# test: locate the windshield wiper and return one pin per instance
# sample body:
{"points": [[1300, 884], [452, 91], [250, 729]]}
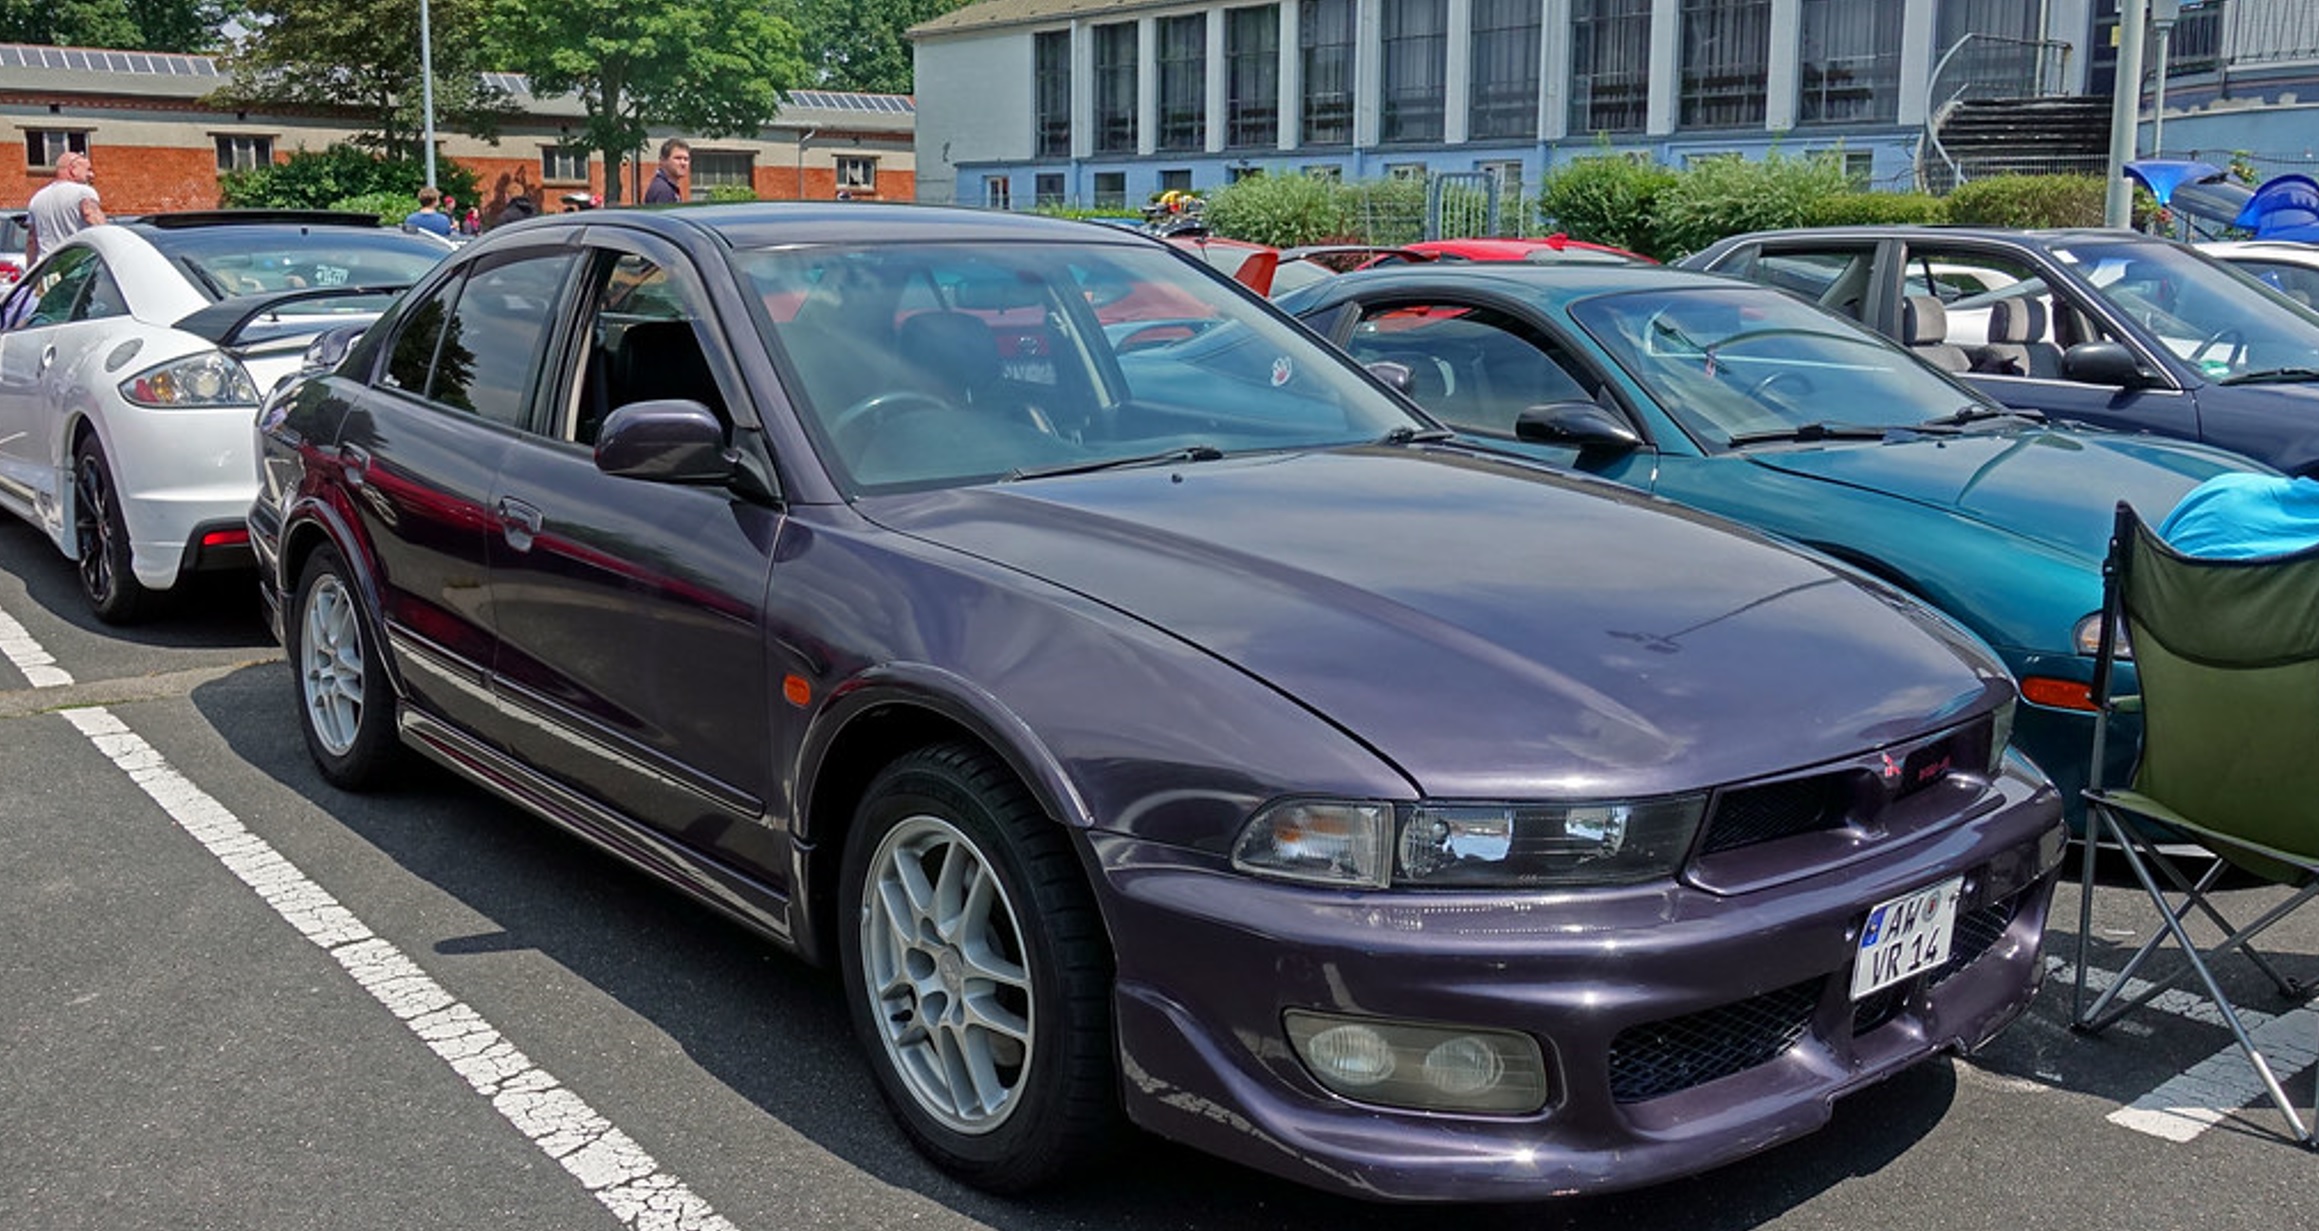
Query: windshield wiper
{"points": [[1184, 453], [1963, 415], [2271, 376], [1820, 431], [1407, 435]]}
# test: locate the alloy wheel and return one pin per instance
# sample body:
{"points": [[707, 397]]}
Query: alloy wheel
{"points": [[330, 665]]}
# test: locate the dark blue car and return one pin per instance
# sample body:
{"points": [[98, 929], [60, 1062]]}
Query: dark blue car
{"points": [[2112, 328], [1153, 719]]}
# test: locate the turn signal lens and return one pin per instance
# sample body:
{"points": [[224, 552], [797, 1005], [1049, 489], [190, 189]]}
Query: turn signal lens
{"points": [[2059, 694], [1329, 842]]}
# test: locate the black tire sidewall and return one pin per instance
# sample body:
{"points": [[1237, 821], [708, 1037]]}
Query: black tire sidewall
{"points": [[367, 760], [122, 606]]}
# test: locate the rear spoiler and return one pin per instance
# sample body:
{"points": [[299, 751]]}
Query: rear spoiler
{"points": [[222, 323], [187, 219]]}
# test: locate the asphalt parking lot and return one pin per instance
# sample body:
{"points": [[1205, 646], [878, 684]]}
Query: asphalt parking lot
{"points": [[235, 997]]}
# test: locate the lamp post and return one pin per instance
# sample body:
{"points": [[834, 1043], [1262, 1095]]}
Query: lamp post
{"points": [[427, 89], [2163, 15], [2125, 113]]}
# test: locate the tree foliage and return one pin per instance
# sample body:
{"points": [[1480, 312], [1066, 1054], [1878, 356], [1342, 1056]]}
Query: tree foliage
{"points": [[363, 55], [320, 179], [137, 25], [861, 44], [1605, 199], [1725, 196], [696, 65]]}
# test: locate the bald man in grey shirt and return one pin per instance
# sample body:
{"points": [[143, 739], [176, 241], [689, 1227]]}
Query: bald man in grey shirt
{"points": [[66, 205]]}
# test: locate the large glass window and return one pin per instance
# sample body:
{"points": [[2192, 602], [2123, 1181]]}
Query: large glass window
{"points": [[1851, 62], [1183, 82], [1726, 44], [1115, 88], [563, 164], [1610, 65], [244, 152], [1505, 68], [1111, 190], [1416, 65], [1052, 53], [493, 336], [1325, 43], [1252, 76]]}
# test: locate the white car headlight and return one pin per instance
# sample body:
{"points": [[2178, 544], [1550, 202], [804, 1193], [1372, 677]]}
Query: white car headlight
{"points": [[1472, 845], [2086, 637], [211, 378]]}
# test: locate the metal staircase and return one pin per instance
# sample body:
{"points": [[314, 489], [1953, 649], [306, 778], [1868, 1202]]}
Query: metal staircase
{"points": [[1973, 139]]}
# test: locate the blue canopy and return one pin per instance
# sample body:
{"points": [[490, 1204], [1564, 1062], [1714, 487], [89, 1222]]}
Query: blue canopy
{"points": [[2285, 207], [2163, 175]]}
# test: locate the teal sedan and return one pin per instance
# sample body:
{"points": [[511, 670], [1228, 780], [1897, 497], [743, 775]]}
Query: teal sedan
{"points": [[1743, 401]]}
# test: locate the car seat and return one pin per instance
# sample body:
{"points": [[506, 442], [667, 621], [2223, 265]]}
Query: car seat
{"points": [[1924, 326]]}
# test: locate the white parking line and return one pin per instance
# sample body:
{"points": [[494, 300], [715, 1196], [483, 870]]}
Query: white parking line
{"points": [[607, 1162]]}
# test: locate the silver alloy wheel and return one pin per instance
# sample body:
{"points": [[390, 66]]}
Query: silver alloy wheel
{"points": [[942, 965], [330, 664]]}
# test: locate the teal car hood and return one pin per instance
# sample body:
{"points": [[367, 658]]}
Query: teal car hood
{"points": [[2031, 483]]}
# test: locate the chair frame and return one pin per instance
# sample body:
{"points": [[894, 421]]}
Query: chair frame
{"points": [[2106, 815]]}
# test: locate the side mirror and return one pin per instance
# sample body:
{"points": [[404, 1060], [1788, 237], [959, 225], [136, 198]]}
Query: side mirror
{"points": [[1584, 426], [2103, 363], [329, 349], [1394, 374], [665, 441]]}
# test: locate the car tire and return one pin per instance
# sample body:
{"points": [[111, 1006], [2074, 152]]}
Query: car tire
{"points": [[972, 949], [346, 707], [101, 538]]}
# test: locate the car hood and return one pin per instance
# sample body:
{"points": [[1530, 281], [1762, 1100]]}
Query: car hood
{"points": [[2058, 488], [1491, 628]]}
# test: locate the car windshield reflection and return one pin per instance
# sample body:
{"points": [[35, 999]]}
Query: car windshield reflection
{"points": [[1740, 366], [942, 364]]}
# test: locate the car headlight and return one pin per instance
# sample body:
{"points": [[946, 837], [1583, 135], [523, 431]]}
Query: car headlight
{"points": [[2087, 637], [1471, 845], [2000, 736], [211, 378]]}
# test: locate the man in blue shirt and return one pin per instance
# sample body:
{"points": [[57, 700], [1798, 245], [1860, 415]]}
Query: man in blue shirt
{"points": [[2240, 515], [427, 217]]}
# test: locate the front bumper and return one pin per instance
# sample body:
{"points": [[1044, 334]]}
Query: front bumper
{"points": [[1681, 1029]]}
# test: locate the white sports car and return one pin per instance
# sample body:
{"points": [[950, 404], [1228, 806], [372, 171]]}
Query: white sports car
{"points": [[132, 361]]}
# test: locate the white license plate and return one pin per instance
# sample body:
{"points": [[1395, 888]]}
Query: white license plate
{"points": [[1906, 936]]}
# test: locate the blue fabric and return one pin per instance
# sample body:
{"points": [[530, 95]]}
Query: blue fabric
{"points": [[2285, 207], [2163, 175], [2241, 515], [429, 220]]}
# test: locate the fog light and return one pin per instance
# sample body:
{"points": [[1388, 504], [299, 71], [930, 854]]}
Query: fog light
{"points": [[1419, 1065]]}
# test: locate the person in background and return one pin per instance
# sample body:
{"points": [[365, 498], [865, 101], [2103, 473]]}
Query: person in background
{"points": [[2241, 515], [675, 164], [427, 217], [67, 204], [472, 222]]}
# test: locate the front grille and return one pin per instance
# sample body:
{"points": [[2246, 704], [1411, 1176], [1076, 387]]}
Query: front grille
{"points": [[1976, 932], [1775, 810], [1660, 1058], [1880, 1006]]}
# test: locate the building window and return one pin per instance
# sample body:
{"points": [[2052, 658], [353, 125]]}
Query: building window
{"points": [[1183, 82], [1111, 190], [563, 164], [1176, 179], [1252, 76], [1726, 43], [1329, 171], [1507, 172], [1610, 65], [43, 146], [856, 173], [1859, 167], [1405, 170], [1325, 47], [1052, 51], [1851, 63], [1115, 88], [1416, 55], [1047, 188], [997, 192], [1239, 171], [1505, 68], [714, 169], [242, 152]]}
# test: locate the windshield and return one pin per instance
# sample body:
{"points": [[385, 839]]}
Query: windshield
{"points": [[2217, 319], [931, 365], [1733, 363], [225, 261]]}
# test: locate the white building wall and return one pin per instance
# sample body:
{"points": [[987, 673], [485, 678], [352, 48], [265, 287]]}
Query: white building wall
{"points": [[975, 95]]}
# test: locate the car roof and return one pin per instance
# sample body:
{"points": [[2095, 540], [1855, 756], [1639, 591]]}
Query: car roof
{"points": [[757, 224], [2039, 237]]}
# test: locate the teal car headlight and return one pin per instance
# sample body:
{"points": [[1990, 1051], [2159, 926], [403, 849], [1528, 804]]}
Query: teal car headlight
{"points": [[2086, 638]]}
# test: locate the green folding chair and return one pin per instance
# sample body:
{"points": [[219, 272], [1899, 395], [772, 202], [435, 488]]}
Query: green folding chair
{"points": [[2227, 652]]}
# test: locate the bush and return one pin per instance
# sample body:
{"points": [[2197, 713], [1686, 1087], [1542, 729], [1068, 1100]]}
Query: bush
{"points": [[1725, 196], [1879, 209], [1283, 210], [317, 180], [391, 207], [722, 193], [1386, 211], [2030, 201], [1605, 199]]}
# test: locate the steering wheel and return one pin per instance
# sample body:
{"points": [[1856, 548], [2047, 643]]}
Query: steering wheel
{"points": [[879, 405], [1794, 384], [2236, 337]]}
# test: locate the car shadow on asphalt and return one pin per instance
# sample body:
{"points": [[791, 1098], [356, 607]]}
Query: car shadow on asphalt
{"points": [[220, 610], [774, 1030]]}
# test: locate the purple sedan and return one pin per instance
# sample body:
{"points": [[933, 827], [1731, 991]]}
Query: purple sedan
{"points": [[1156, 720]]}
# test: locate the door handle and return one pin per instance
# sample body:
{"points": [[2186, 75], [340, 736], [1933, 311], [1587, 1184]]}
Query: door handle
{"points": [[518, 521], [356, 460], [47, 356]]}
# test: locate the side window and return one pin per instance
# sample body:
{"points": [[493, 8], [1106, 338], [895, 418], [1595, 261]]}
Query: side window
{"points": [[1834, 278], [1988, 312], [495, 338], [413, 351], [57, 286], [2298, 282], [102, 298], [641, 346], [1475, 368]]}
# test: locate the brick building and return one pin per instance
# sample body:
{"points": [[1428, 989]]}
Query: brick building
{"points": [[158, 146]]}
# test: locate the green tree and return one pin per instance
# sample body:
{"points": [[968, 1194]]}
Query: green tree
{"points": [[363, 56], [135, 25], [696, 65], [861, 44], [320, 179]]}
